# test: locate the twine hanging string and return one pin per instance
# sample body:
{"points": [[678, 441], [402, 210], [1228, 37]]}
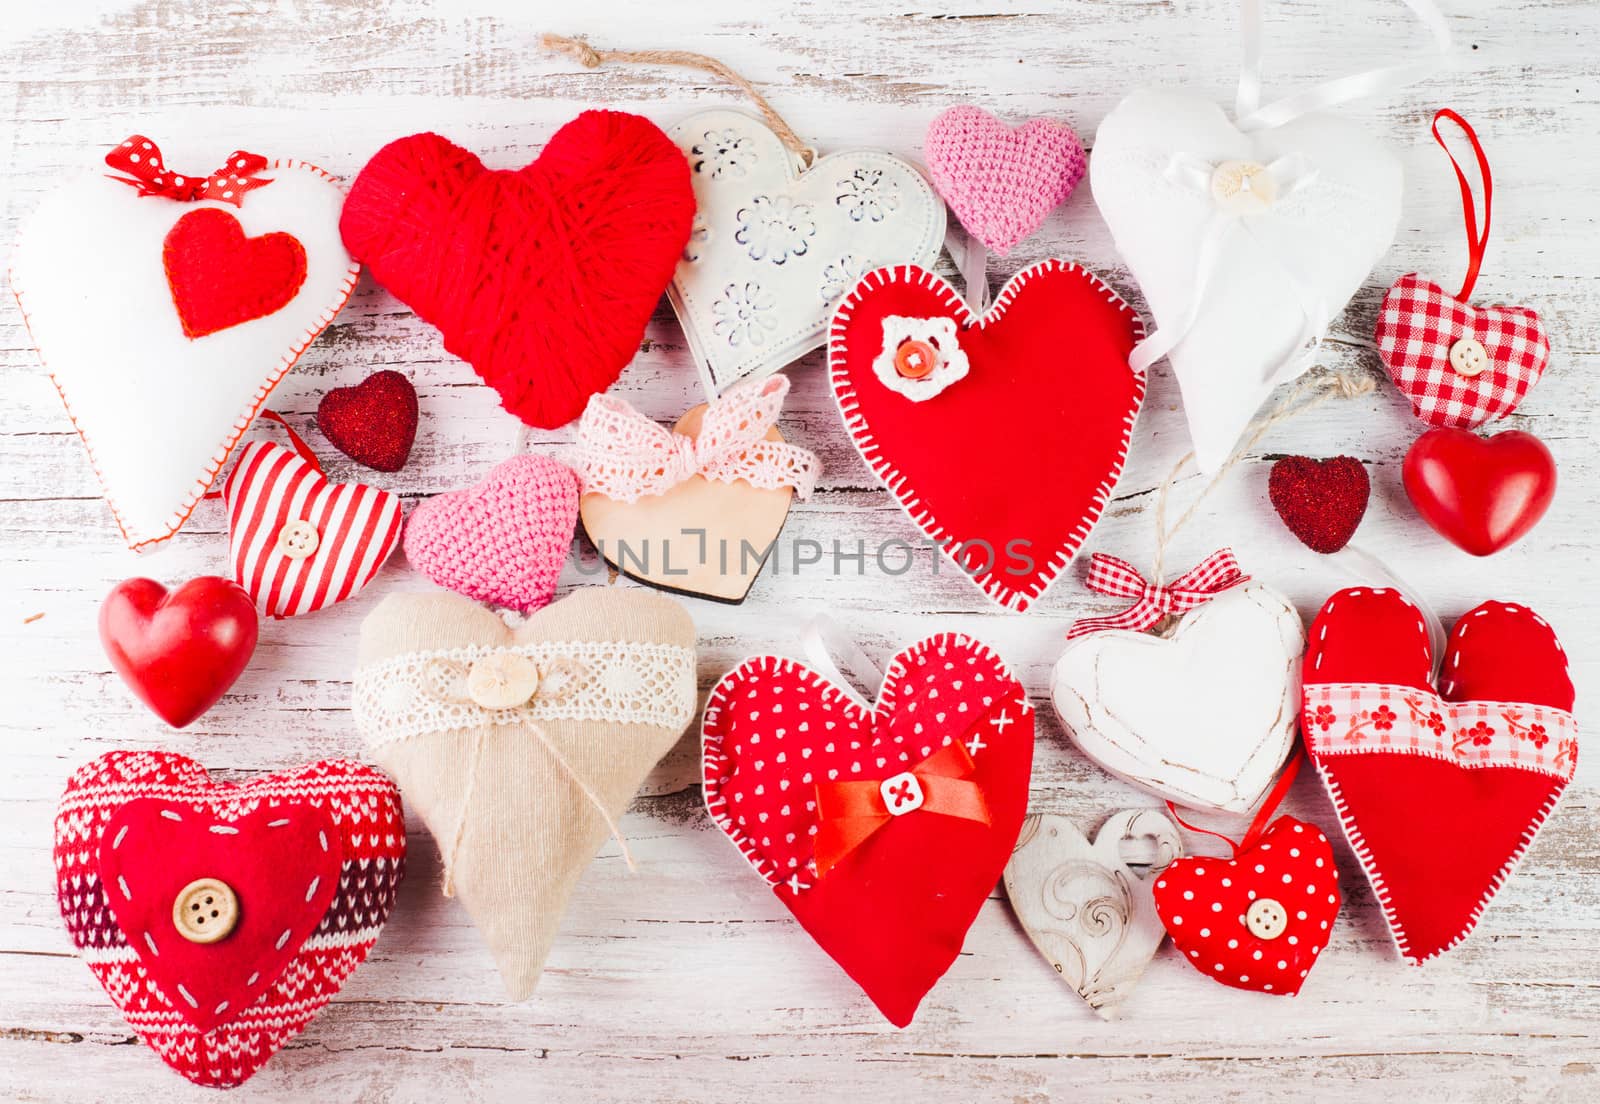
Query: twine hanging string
{"points": [[591, 58]]}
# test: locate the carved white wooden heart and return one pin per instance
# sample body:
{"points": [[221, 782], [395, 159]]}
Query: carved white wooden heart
{"points": [[774, 249], [1249, 266], [1087, 906], [160, 411], [1206, 717]]}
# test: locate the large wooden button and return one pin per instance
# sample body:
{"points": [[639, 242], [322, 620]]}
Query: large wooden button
{"points": [[205, 911], [1266, 919], [503, 680], [1243, 187], [298, 539], [1468, 357]]}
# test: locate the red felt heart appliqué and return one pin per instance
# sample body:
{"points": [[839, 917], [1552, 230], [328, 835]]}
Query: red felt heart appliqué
{"points": [[312, 857], [1440, 791], [541, 278], [374, 423], [220, 278], [1481, 495], [894, 910], [1047, 400], [1321, 502]]}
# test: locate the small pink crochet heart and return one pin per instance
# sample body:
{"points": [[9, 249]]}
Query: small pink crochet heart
{"points": [[503, 541], [1001, 182]]}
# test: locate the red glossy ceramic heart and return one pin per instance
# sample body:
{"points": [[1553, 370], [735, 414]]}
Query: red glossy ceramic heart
{"points": [[374, 423], [1321, 502], [1481, 495], [180, 650], [220, 278], [893, 912]]}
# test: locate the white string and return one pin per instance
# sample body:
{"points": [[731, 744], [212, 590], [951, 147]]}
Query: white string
{"points": [[823, 639]]}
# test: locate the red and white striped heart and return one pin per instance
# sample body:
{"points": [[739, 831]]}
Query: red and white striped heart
{"points": [[300, 542]]}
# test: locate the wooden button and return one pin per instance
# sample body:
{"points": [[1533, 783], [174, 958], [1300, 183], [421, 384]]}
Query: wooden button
{"points": [[915, 359], [298, 539], [1243, 187], [1266, 919], [205, 911], [503, 680], [1468, 357]]}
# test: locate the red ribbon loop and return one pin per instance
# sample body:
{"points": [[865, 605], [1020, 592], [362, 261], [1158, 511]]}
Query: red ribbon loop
{"points": [[850, 813], [1120, 579], [1263, 818], [140, 158], [1477, 238]]}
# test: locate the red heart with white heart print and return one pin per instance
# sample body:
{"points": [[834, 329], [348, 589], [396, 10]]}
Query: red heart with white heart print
{"points": [[298, 541], [1459, 365], [1035, 393], [1259, 920], [295, 873], [1440, 791], [800, 774]]}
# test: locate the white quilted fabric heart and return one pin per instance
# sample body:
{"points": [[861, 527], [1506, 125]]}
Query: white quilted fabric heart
{"points": [[1243, 284], [774, 250]]}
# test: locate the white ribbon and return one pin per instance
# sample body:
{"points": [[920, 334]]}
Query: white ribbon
{"points": [[823, 639]]}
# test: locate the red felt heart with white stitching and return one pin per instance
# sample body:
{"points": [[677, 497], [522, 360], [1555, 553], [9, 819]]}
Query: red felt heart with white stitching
{"points": [[959, 415], [1440, 791], [785, 754], [221, 917]]}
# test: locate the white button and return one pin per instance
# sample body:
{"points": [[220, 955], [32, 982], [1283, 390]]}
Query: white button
{"points": [[1468, 357], [503, 680], [205, 911], [1267, 919], [1243, 187], [297, 539], [902, 794]]}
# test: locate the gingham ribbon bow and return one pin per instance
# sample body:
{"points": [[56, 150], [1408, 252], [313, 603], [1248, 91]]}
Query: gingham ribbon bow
{"points": [[140, 158], [1118, 578]]}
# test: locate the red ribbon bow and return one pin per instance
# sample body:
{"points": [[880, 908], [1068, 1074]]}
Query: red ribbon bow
{"points": [[1197, 586], [849, 813], [140, 158]]}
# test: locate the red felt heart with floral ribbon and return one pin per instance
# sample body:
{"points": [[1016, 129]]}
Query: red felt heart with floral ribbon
{"points": [[955, 413], [1480, 494], [1440, 791], [882, 829], [294, 873]]}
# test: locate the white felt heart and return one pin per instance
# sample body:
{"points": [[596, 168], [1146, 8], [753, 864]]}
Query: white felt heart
{"points": [[1087, 906], [1245, 244], [160, 411], [774, 250], [1205, 717]]}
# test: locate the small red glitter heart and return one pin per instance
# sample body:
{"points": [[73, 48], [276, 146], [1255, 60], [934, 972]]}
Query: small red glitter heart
{"points": [[1321, 501], [374, 423]]}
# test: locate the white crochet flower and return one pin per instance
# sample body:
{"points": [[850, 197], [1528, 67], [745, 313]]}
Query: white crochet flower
{"points": [[775, 228], [939, 334], [744, 314]]}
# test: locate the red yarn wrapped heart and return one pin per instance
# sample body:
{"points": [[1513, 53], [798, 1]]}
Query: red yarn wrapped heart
{"points": [[374, 423], [542, 278], [1321, 501]]}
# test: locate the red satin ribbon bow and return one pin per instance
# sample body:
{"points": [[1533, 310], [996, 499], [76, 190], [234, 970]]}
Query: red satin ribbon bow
{"points": [[1118, 578], [140, 158], [849, 813]]}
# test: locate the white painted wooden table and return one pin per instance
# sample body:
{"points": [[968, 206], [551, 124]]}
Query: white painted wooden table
{"points": [[689, 981]]}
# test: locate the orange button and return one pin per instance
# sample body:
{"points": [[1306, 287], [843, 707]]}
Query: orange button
{"points": [[915, 359]]}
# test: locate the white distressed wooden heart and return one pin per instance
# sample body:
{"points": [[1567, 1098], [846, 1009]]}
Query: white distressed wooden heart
{"points": [[1247, 278], [1205, 717], [1087, 906], [158, 411], [774, 250]]}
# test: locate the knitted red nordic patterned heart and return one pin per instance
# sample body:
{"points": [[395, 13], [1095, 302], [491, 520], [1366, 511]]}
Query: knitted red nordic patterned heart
{"points": [[1321, 502], [220, 278], [1035, 394], [541, 278], [303, 865], [798, 774], [1440, 792], [1259, 920], [374, 423]]}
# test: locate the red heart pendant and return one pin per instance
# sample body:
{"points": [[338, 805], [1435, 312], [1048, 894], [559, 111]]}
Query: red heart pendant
{"points": [[802, 778], [220, 278], [221, 917], [1321, 501], [374, 423], [179, 651], [542, 278], [1259, 920], [1459, 365], [1481, 495], [1035, 394], [1440, 792]]}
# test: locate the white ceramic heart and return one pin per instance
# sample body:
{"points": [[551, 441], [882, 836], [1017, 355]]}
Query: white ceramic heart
{"points": [[1205, 717], [774, 250], [160, 412], [1084, 906], [1246, 292]]}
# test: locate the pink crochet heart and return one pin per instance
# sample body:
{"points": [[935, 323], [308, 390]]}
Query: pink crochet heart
{"points": [[1001, 181], [502, 541]]}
